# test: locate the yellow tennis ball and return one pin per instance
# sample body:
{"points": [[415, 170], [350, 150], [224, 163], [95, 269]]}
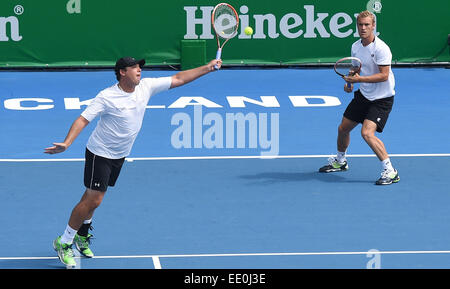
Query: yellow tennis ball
{"points": [[248, 30]]}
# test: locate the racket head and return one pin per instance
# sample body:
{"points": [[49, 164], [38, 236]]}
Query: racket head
{"points": [[225, 21], [348, 66]]}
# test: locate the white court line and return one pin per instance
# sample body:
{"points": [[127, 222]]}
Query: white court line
{"points": [[157, 263], [228, 157]]}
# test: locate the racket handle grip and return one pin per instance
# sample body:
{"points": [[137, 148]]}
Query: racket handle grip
{"points": [[218, 56], [349, 85]]}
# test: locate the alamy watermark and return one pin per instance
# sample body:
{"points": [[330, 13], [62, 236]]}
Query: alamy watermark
{"points": [[232, 130], [375, 259]]}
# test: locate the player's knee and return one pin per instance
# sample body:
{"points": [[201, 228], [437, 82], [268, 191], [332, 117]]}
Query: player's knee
{"points": [[367, 135], [95, 203], [342, 129], [94, 199]]}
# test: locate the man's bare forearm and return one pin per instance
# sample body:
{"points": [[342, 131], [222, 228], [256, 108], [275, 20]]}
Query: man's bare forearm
{"points": [[77, 126]]}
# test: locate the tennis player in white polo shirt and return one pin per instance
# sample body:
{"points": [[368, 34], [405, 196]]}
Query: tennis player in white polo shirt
{"points": [[121, 109], [371, 104]]}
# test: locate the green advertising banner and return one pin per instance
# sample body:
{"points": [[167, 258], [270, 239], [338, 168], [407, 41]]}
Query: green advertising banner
{"points": [[92, 33]]}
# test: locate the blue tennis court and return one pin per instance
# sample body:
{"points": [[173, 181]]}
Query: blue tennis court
{"points": [[198, 193]]}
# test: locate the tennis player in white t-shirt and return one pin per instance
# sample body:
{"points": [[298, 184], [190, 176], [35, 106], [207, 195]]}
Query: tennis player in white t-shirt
{"points": [[121, 109], [371, 104]]}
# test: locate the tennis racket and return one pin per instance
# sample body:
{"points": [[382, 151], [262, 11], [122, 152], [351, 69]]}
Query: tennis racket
{"points": [[225, 22], [348, 66]]}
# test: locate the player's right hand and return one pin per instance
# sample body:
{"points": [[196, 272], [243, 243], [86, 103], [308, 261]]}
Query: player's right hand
{"points": [[56, 148], [348, 89], [215, 64]]}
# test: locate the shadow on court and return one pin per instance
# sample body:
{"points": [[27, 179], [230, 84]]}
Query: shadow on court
{"points": [[281, 177], [31, 264]]}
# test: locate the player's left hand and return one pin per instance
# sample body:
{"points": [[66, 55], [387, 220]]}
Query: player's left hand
{"points": [[352, 78], [56, 148]]}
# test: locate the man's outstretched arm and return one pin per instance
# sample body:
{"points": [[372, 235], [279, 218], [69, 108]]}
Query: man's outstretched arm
{"points": [[77, 126]]}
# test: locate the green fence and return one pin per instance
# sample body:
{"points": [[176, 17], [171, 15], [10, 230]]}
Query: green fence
{"points": [[88, 33]]}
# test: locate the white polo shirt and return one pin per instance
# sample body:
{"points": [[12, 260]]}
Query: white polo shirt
{"points": [[121, 116], [372, 55]]}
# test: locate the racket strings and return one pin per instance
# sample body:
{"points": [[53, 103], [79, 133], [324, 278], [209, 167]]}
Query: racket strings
{"points": [[225, 21], [347, 67]]}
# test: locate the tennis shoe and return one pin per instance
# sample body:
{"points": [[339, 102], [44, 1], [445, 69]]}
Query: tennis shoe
{"points": [[65, 252], [388, 177], [334, 166], [82, 245]]}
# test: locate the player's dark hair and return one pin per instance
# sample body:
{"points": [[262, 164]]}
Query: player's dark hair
{"points": [[117, 71]]}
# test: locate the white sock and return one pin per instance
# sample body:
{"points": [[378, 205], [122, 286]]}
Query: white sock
{"points": [[69, 234], [387, 165], [340, 156]]}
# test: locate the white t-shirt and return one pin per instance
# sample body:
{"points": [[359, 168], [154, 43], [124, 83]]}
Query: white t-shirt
{"points": [[121, 116], [372, 55]]}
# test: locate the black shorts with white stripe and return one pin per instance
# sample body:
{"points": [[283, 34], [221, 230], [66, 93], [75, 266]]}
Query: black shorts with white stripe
{"points": [[360, 108], [101, 173]]}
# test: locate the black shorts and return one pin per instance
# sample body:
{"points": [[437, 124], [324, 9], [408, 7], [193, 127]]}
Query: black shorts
{"points": [[100, 172], [360, 108]]}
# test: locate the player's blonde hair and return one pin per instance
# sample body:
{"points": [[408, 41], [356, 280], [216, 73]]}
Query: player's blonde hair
{"points": [[366, 13]]}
